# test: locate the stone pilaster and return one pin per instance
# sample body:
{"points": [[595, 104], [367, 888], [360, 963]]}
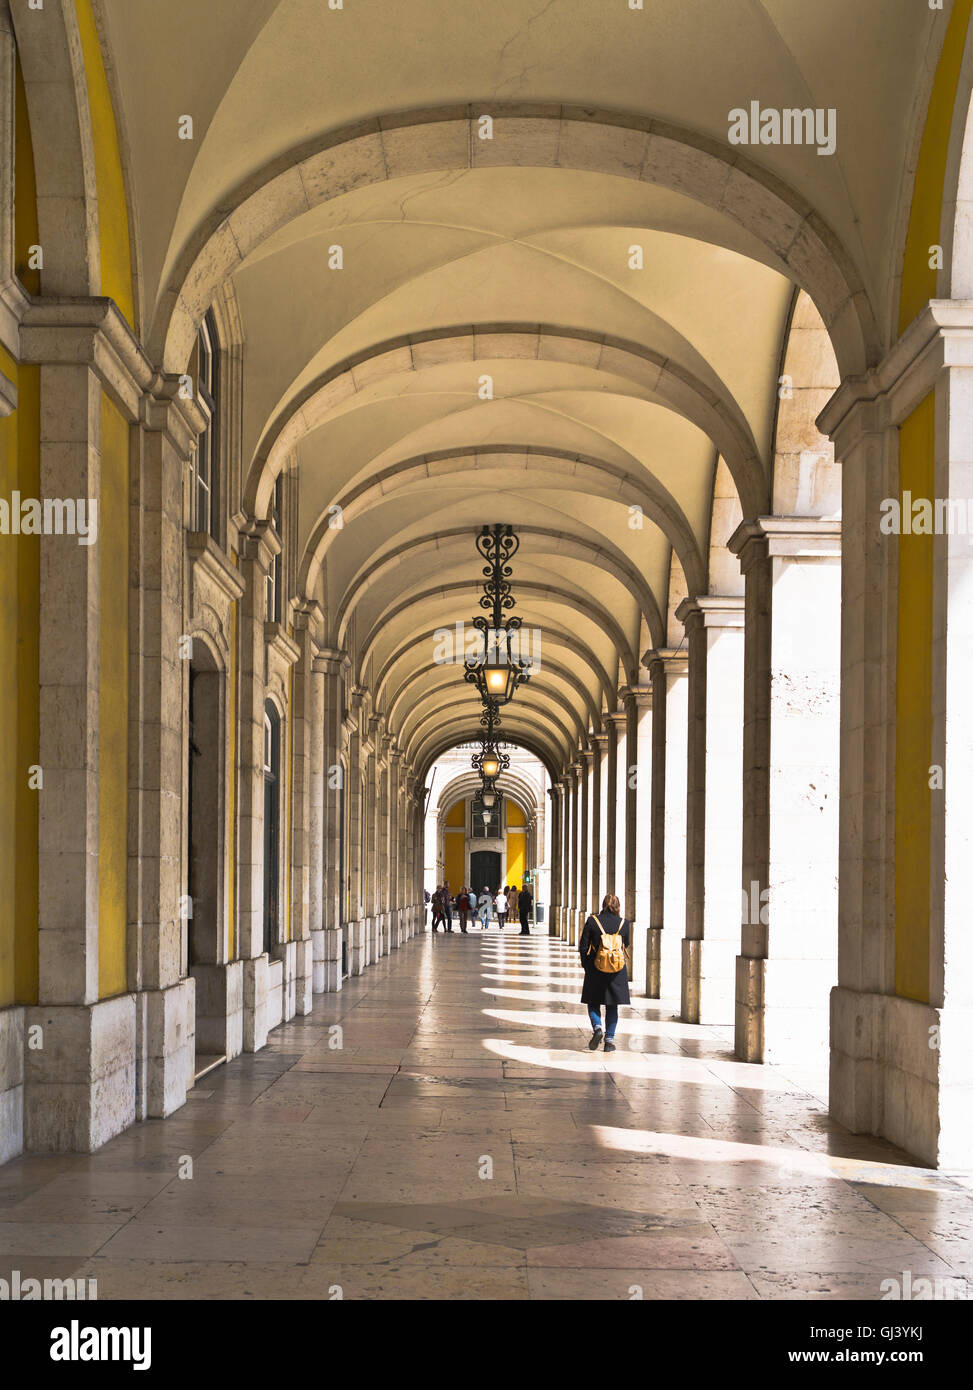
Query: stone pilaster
{"points": [[789, 958], [714, 810], [638, 784], [668, 669], [901, 1065]]}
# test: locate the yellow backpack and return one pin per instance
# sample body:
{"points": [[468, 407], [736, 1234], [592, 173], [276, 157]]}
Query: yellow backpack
{"points": [[610, 956]]}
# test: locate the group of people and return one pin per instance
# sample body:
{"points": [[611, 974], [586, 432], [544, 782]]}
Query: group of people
{"points": [[509, 902], [605, 945]]}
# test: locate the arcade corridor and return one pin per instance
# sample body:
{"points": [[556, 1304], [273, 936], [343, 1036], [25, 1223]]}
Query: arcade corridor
{"points": [[669, 1168]]}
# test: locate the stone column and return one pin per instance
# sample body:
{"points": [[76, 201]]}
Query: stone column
{"points": [[114, 1049], [638, 784], [597, 776], [357, 946], [259, 544], [307, 747], [564, 788], [582, 909], [395, 849], [383, 854], [618, 722], [902, 1013], [789, 959], [609, 766], [670, 709], [554, 907], [331, 665], [63, 1109], [714, 809], [577, 848]]}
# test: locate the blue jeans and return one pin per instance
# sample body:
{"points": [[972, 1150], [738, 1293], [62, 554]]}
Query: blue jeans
{"points": [[611, 1019]]}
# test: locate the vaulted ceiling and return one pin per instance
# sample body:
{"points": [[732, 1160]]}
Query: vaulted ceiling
{"points": [[493, 347]]}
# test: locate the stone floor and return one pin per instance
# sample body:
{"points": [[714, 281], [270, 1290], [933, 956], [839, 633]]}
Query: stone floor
{"points": [[439, 1130]]}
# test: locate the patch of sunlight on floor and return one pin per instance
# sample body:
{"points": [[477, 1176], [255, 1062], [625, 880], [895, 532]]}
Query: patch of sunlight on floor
{"points": [[681, 1146]]}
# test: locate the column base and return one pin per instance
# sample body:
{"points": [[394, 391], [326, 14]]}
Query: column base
{"points": [[219, 1009], [357, 946], [166, 1049], [782, 1009], [79, 1085], [326, 946], [304, 976], [653, 964], [639, 964], [664, 967], [256, 987], [708, 990], [12, 1028], [903, 1070]]}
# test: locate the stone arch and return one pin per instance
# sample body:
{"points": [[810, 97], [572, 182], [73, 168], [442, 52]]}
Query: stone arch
{"points": [[665, 381], [463, 730], [599, 478], [443, 138], [205, 627], [537, 714], [51, 58], [561, 637], [612, 561], [955, 278], [806, 478], [611, 627], [554, 668]]}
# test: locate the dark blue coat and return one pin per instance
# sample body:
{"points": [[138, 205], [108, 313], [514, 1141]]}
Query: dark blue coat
{"points": [[600, 988]]}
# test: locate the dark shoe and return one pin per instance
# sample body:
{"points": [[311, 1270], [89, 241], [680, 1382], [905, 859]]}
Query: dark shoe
{"points": [[609, 1045], [596, 1038]]}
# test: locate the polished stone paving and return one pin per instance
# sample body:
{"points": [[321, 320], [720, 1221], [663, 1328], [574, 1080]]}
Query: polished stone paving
{"points": [[439, 1130]]}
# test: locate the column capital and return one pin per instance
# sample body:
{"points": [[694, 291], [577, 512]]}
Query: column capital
{"points": [[259, 542], [601, 740], [616, 718], [330, 661], [801, 537], [940, 336], [309, 618], [640, 694], [673, 661], [711, 610]]}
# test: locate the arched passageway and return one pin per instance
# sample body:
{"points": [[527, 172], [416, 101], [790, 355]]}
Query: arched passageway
{"points": [[276, 341]]}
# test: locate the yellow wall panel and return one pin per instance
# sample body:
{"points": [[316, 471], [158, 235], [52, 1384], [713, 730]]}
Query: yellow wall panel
{"points": [[516, 856], [913, 733], [113, 525], [455, 861], [457, 814], [19, 707]]}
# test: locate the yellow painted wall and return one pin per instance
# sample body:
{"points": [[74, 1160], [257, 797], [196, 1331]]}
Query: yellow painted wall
{"points": [[455, 859], [457, 814], [913, 734], [917, 440], [113, 702], [19, 685], [516, 855], [515, 815], [20, 619], [116, 251]]}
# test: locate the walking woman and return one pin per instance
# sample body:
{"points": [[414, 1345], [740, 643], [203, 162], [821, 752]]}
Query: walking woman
{"points": [[512, 902], [501, 903], [463, 908], [604, 947]]}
